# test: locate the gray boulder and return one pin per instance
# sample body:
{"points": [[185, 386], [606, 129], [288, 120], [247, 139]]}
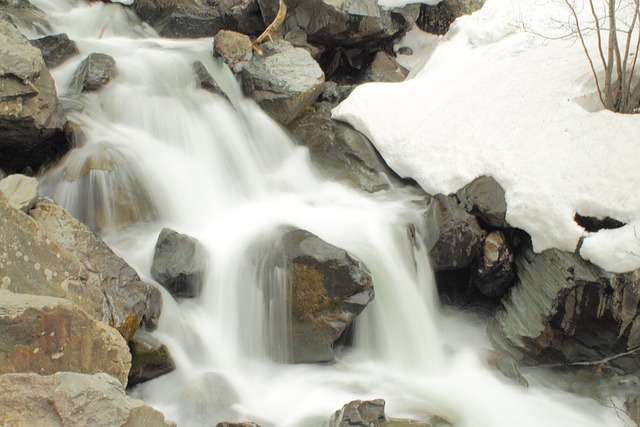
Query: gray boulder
{"points": [[340, 152], [72, 399], [437, 19], [284, 81], [200, 18], [95, 72], [564, 310], [56, 49], [22, 191], [338, 23], [234, 48], [383, 68], [328, 289], [371, 413], [495, 272], [31, 118], [179, 263], [485, 199], [149, 358], [453, 236], [48, 335]]}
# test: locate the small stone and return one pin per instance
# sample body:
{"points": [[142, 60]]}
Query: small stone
{"points": [[22, 191]]}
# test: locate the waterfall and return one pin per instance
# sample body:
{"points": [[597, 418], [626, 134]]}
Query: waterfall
{"points": [[154, 150]]}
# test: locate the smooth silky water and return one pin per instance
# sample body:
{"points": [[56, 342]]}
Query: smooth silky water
{"points": [[154, 150]]}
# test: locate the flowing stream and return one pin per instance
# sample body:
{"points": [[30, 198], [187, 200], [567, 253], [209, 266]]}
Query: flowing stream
{"points": [[154, 150]]}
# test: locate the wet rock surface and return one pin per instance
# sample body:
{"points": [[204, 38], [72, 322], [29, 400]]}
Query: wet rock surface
{"points": [[95, 72], [149, 358], [485, 199], [55, 49], [31, 118], [179, 263]]}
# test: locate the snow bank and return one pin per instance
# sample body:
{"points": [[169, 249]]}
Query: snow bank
{"points": [[492, 99]]}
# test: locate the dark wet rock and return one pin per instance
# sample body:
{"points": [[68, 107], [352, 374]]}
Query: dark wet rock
{"points": [[485, 199], [298, 38], [593, 224], [179, 263], [31, 118], [72, 399], [95, 72], [55, 49], [437, 19], [22, 191], [495, 267], [284, 81], [327, 289], [338, 23], [371, 413], [383, 68], [155, 12], [204, 18], [452, 235], [207, 82], [48, 335], [234, 48], [149, 358], [335, 93], [340, 152], [564, 310]]}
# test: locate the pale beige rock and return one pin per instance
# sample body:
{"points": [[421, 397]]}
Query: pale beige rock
{"points": [[21, 190]]}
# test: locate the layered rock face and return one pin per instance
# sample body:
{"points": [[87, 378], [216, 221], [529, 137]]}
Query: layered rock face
{"points": [[31, 118]]}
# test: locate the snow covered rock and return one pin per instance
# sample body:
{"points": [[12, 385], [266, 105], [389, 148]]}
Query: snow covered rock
{"points": [[72, 399], [453, 236], [284, 81], [565, 310], [22, 191], [340, 152], [55, 49], [31, 118], [48, 335], [95, 72], [179, 263]]}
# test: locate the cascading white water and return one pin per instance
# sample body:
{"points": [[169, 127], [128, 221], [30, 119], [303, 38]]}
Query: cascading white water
{"points": [[154, 150]]}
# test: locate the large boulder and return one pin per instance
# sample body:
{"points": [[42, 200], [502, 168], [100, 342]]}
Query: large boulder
{"points": [[48, 335], [284, 81], [564, 310], [56, 49], [200, 18], [31, 118], [50, 253], [338, 23], [22, 191], [149, 358], [453, 236], [72, 399], [94, 72], [128, 301], [340, 152], [328, 289], [179, 263]]}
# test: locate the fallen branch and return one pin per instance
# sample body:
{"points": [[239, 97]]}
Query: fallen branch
{"points": [[271, 28]]}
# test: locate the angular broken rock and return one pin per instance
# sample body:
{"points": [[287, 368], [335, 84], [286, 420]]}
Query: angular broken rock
{"points": [[55, 49], [283, 81], [22, 191], [95, 72]]}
